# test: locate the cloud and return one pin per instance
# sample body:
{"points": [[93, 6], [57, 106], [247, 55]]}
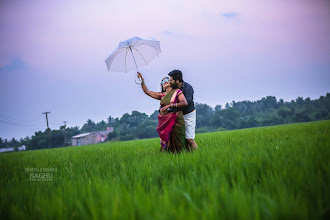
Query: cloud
{"points": [[16, 64], [167, 32], [230, 15]]}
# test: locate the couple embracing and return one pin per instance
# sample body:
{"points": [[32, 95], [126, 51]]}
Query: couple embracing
{"points": [[177, 114]]}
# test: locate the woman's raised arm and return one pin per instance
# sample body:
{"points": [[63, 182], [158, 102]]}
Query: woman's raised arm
{"points": [[155, 95]]}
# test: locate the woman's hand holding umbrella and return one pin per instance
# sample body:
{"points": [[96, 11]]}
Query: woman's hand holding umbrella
{"points": [[139, 76]]}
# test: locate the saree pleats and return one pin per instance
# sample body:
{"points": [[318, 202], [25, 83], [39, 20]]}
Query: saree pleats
{"points": [[171, 128]]}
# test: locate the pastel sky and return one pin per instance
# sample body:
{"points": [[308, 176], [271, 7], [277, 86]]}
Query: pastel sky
{"points": [[52, 55]]}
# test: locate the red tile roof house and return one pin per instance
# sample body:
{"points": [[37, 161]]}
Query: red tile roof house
{"points": [[90, 138]]}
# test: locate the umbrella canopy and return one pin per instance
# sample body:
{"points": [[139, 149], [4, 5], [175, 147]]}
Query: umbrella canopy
{"points": [[133, 53]]}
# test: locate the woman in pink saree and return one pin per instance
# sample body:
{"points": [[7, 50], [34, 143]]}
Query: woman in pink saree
{"points": [[170, 127]]}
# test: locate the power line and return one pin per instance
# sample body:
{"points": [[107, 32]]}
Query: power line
{"points": [[15, 119], [5, 119]]}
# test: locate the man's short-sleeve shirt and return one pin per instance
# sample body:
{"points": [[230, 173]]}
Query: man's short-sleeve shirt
{"points": [[188, 92]]}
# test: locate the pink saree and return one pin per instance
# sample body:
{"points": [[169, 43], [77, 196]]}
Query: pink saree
{"points": [[171, 125]]}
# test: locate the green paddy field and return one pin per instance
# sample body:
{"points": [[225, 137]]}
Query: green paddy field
{"points": [[279, 172]]}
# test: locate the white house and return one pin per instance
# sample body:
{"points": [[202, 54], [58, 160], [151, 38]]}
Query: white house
{"points": [[9, 149], [91, 137]]}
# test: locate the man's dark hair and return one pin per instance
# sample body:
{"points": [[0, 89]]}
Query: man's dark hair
{"points": [[176, 75]]}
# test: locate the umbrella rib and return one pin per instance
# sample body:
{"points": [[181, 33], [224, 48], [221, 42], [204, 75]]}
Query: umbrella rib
{"points": [[157, 53], [120, 51], [147, 45], [125, 61], [135, 45], [136, 42], [115, 56], [141, 56], [155, 48]]}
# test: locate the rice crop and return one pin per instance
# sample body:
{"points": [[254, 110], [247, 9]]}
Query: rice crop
{"points": [[277, 172]]}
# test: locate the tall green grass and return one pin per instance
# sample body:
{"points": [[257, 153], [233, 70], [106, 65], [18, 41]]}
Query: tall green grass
{"points": [[279, 172]]}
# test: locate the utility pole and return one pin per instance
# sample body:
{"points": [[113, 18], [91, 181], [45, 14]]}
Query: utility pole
{"points": [[46, 113], [49, 144], [65, 132]]}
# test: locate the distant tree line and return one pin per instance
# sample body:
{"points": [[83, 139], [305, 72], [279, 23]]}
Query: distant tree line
{"points": [[235, 115], [264, 112]]}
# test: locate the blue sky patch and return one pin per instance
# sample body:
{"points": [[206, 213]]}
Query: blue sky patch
{"points": [[16, 64], [230, 15]]}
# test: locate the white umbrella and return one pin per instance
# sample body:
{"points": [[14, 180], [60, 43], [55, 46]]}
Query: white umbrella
{"points": [[132, 53]]}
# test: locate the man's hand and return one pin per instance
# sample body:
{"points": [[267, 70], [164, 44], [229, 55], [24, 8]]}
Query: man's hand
{"points": [[163, 110]]}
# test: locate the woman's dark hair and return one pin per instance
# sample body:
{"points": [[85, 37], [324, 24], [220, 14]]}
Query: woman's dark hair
{"points": [[161, 85], [176, 75]]}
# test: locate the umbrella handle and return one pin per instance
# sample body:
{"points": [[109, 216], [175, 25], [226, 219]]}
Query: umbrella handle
{"points": [[139, 78], [140, 82]]}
